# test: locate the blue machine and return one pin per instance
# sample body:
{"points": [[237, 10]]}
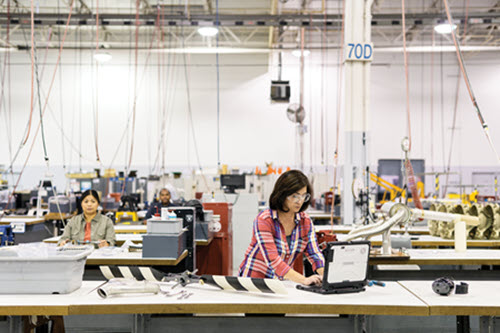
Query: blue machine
{"points": [[6, 235]]}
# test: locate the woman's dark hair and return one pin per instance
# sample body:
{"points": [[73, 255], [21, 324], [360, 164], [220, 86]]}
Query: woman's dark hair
{"points": [[92, 193], [287, 184]]}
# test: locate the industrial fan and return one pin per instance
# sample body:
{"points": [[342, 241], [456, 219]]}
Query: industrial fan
{"points": [[296, 113]]}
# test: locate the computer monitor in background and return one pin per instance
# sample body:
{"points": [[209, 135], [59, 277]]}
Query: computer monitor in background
{"points": [[229, 183], [85, 185]]}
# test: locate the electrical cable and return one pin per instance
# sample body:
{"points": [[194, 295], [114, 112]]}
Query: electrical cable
{"points": [[340, 67], [96, 112], [32, 71], [134, 106], [410, 177], [407, 83], [46, 157], [455, 111], [45, 105], [218, 83], [467, 83]]}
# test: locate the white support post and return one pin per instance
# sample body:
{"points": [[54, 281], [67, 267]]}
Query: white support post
{"points": [[358, 53]]}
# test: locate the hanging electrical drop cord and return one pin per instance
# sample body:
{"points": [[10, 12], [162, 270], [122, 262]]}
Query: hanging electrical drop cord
{"points": [[340, 73], [96, 113], [323, 94], [190, 113], [43, 111], [432, 103], [32, 71], [125, 131], [407, 83], [134, 107], [3, 99], [45, 155], [467, 82], [61, 101], [218, 85], [410, 176], [455, 111]]}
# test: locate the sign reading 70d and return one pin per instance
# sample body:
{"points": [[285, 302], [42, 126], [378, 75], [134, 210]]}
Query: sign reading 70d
{"points": [[359, 52]]}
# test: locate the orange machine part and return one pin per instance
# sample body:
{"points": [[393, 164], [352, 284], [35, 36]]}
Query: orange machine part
{"points": [[217, 257]]}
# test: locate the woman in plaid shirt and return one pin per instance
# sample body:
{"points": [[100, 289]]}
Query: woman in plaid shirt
{"points": [[282, 232]]}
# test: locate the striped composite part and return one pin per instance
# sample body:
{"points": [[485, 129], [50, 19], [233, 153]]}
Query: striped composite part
{"points": [[230, 283], [131, 272], [235, 283]]}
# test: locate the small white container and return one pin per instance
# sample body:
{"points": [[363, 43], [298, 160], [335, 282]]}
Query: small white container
{"points": [[164, 213], [168, 226]]}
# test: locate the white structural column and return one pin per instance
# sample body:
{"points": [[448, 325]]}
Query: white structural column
{"points": [[358, 54]]}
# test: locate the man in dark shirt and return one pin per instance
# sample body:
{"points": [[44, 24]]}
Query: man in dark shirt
{"points": [[156, 206]]}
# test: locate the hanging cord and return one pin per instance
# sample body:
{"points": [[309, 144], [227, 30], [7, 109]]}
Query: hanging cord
{"points": [[432, 103], [32, 71], [45, 155], [311, 132], [125, 131], [218, 85], [96, 113], [6, 69], [43, 111], [467, 83], [453, 127], [134, 107], [60, 94], [340, 73], [190, 113], [407, 83], [410, 177]]}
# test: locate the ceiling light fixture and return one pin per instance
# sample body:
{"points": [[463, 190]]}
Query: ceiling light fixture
{"points": [[102, 56], [298, 53], [208, 31], [445, 28]]}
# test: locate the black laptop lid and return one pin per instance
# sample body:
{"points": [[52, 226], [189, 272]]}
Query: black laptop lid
{"points": [[346, 264]]}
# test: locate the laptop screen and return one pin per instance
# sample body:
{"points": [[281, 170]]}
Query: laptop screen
{"points": [[346, 264]]}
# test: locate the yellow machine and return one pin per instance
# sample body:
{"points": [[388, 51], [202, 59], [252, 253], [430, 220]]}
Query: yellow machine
{"points": [[392, 189]]}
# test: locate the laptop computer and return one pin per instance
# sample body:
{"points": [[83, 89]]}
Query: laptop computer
{"points": [[346, 268]]}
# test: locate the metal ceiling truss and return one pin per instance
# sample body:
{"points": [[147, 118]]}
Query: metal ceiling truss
{"points": [[264, 20]]}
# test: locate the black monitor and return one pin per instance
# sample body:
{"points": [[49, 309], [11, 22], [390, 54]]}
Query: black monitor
{"points": [[232, 182]]}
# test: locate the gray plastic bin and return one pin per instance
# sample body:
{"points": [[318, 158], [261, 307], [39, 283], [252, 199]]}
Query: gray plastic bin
{"points": [[61, 272]]}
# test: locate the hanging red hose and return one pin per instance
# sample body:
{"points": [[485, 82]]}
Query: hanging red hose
{"points": [[32, 70], [455, 111], [412, 184], [339, 104], [96, 120], [43, 110], [467, 82]]}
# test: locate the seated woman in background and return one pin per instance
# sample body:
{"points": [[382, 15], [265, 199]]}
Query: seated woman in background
{"points": [[282, 232], [91, 225]]}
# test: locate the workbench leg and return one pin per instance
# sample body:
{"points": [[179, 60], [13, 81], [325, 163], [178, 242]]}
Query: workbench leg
{"points": [[15, 324], [359, 324], [487, 324], [463, 324], [141, 321]]}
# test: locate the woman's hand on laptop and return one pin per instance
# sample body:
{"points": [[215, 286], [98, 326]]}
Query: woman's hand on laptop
{"points": [[313, 280]]}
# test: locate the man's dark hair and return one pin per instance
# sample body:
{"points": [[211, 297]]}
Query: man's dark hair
{"points": [[287, 184]]}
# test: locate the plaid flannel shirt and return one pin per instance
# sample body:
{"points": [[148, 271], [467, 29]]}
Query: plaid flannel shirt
{"points": [[269, 255]]}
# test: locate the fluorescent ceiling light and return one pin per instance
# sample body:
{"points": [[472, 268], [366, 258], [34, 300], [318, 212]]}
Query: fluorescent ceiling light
{"points": [[297, 53], [101, 56], [445, 28], [208, 31]]}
